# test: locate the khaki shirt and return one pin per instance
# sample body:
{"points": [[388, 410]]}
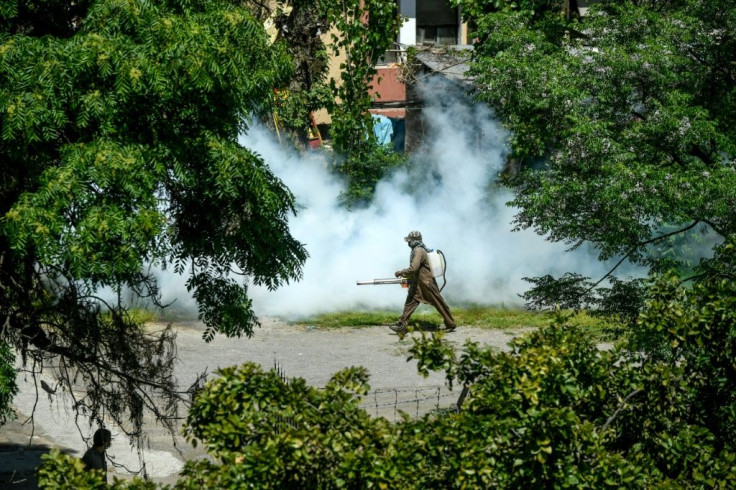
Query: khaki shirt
{"points": [[420, 274]]}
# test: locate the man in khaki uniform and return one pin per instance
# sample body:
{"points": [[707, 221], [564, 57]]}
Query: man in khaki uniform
{"points": [[423, 288]]}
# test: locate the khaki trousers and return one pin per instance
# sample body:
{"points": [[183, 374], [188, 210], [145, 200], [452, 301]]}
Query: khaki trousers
{"points": [[437, 301]]}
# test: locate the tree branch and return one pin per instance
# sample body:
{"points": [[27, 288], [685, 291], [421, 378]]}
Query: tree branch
{"points": [[639, 245], [619, 408], [714, 227]]}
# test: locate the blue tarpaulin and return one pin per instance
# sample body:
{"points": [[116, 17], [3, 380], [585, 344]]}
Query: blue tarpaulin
{"points": [[383, 129]]}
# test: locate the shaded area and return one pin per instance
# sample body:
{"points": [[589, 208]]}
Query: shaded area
{"points": [[20, 454]]}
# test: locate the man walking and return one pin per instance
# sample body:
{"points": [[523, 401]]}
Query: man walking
{"points": [[94, 458], [423, 287]]}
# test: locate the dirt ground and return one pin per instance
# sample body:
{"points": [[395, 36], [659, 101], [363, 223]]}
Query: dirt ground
{"points": [[300, 351]]}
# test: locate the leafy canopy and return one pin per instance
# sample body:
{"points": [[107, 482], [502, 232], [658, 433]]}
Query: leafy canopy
{"points": [[119, 124], [624, 119]]}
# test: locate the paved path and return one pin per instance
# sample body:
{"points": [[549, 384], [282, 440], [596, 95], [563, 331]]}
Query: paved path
{"points": [[301, 350]]}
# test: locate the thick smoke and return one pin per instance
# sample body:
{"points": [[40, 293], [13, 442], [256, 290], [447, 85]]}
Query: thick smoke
{"points": [[448, 194]]}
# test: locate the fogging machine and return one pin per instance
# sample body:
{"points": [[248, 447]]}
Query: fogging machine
{"points": [[380, 282], [437, 263]]}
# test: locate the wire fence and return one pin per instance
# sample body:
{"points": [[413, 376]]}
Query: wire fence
{"points": [[391, 403], [416, 402]]}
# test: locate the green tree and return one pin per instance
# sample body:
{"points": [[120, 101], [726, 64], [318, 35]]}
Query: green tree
{"points": [[624, 119], [119, 126], [362, 32], [301, 25], [286, 434]]}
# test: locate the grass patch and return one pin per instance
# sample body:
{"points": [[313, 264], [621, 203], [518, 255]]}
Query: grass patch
{"points": [[427, 318], [491, 317], [350, 319], [139, 316]]}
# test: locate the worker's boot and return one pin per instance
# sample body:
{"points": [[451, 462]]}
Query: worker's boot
{"points": [[450, 328], [399, 328]]}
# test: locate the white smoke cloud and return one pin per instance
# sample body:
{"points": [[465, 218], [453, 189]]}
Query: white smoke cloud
{"points": [[449, 196]]}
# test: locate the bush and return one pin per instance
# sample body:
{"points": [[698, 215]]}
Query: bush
{"points": [[61, 471], [553, 412]]}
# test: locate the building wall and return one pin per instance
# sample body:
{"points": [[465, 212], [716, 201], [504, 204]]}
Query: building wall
{"points": [[387, 85], [408, 31], [393, 112]]}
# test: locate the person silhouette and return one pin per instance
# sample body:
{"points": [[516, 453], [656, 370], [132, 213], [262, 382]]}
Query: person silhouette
{"points": [[95, 457]]}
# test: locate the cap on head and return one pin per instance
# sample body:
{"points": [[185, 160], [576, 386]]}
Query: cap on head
{"points": [[413, 236]]}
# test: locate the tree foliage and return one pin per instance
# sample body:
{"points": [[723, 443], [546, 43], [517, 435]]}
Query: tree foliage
{"points": [[301, 26], [8, 386], [286, 434], [365, 169], [629, 113], [119, 126], [625, 121], [59, 471], [362, 32]]}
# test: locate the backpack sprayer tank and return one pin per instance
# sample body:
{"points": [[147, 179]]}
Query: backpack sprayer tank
{"points": [[438, 265]]}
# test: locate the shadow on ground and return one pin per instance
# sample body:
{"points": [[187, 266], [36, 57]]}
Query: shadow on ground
{"points": [[20, 455], [19, 463], [424, 326]]}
